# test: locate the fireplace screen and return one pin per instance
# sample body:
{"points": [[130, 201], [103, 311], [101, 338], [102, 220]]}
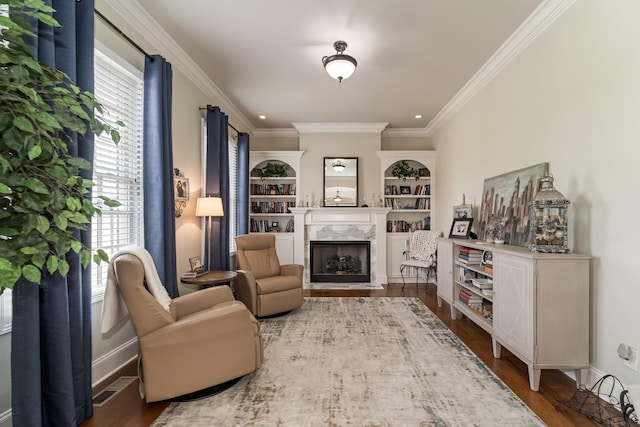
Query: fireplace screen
{"points": [[340, 261]]}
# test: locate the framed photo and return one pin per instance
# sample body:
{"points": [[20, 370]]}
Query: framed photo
{"points": [[405, 189], [424, 172], [462, 211], [460, 228], [181, 188], [196, 263]]}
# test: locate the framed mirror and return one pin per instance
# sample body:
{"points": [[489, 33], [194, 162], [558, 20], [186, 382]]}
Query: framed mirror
{"points": [[340, 181]]}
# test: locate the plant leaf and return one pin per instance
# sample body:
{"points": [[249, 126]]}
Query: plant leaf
{"points": [[76, 245], [32, 273], [35, 185], [34, 152], [52, 264], [63, 267], [22, 123]]}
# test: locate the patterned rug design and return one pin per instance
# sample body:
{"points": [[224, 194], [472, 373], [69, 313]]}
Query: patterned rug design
{"points": [[360, 362]]}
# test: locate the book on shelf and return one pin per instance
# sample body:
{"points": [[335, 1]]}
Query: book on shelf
{"points": [[488, 269], [482, 282], [464, 275], [488, 292], [466, 250], [469, 298]]}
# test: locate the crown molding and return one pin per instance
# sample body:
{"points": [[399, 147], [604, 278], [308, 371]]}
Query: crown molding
{"points": [[275, 133], [137, 17], [340, 127], [544, 15], [405, 133]]}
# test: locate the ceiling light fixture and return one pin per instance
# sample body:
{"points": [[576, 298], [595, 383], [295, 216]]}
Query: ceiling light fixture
{"points": [[340, 66], [337, 198], [338, 166]]}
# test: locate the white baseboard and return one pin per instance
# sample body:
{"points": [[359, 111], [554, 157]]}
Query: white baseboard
{"points": [[104, 366]]}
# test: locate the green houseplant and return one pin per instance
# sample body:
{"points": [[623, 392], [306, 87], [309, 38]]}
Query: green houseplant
{"points": [[43, 198], [403, 171], [273, 170]]}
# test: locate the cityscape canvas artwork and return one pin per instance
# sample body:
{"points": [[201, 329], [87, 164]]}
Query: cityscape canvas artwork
{"points": [[504, 211]]}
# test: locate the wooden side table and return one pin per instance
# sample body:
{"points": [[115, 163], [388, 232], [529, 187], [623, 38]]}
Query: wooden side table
{"points": [[212, 278]]}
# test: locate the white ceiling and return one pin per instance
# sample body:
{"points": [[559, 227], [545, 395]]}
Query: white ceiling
{"points": [[413, 55]]}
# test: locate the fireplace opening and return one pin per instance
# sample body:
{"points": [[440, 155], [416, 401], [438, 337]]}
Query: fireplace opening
{"points": [[340, 261]]}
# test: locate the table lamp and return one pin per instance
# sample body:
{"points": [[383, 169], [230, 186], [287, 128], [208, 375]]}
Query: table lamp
{"points": [[209, 207]]}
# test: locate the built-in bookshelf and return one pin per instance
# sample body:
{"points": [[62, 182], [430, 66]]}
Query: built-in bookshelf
{"points": [[271, 197], [409, 198]]}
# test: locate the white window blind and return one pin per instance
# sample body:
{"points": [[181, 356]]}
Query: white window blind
{"points": [[233, 194], [6, 312], [117, 169]]}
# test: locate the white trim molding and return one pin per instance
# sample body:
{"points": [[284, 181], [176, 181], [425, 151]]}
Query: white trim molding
{"points": [[340, 127], [276, 133], [110, 363]]}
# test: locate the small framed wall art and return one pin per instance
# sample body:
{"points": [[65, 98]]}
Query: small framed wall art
{"points": [[463, 211], [181, 187], [460, 228]]}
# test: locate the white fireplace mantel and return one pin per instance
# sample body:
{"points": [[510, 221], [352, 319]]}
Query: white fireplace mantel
{"points": [[305, 218]]}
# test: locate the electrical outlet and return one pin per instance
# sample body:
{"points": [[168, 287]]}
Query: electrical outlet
{"points": [[632, 363]]}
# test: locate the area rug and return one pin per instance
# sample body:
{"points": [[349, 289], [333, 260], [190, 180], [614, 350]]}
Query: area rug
{"points": [[360, 362]]}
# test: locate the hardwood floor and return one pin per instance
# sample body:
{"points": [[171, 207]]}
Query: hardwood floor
{"points": [[127, 409]]}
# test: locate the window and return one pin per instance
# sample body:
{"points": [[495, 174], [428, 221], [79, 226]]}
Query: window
{"points": [[233, 194], [6, 312], [117, 169]]}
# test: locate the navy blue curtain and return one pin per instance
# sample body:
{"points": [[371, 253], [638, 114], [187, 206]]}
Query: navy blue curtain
{"points": [[51, 330], [217, 184], [243, 183], [157, 170]]}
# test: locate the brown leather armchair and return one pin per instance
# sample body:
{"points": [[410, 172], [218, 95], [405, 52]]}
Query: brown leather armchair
{"points": [[263, 285], [207, 338]]}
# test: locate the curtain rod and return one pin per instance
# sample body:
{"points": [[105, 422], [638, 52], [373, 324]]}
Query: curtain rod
{"points": [[228, 124], [122, 34]]}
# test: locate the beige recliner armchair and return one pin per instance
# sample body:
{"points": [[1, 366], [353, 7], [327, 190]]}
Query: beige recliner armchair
{"points": [[207, 338], [263, 285]]}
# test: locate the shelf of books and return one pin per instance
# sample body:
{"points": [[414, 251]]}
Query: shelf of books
{"points": [[474, 286]]}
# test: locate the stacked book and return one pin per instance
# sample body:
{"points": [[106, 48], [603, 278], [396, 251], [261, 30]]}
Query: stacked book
{"points": [[467, 298], [482, 282], [469, 256], [193, 274]]}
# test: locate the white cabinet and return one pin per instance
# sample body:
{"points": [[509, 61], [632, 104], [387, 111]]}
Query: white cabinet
{"points": [[397, 244], [284, 248], [542, 312], [445, 273], [540, 304]]}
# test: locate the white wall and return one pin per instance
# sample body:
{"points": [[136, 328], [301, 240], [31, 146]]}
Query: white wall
{"points": [[572, 99]]}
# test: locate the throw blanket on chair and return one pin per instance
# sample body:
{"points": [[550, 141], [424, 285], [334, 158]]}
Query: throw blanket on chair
{"points": [[114, 309]]}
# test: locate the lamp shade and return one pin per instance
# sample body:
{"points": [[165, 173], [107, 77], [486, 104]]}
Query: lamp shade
{"points": [[340, 67], [209, 206]]}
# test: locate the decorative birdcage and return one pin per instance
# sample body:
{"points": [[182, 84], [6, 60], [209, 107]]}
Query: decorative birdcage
{"points": [[548, 219]]}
